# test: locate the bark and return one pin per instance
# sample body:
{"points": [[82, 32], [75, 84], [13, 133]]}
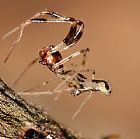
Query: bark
{"points": [[21, 120]]}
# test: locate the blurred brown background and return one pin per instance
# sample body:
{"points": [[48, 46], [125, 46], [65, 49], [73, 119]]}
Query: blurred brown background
{"points": [[112, 32]]}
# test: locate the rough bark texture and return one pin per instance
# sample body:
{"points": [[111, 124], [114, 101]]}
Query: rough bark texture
{"points": [[20, 120]]}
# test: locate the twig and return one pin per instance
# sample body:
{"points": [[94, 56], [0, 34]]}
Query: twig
{"points": [[19, 119]]}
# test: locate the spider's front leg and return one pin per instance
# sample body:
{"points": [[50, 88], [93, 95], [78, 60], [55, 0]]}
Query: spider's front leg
{"points": [[82, 51], [75, 32], [73, 36]]}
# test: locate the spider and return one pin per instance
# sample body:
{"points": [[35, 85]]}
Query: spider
{"points": [[51, 57]]}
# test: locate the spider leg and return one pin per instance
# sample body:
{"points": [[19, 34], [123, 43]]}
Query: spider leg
{"points": [[84, 58], [24, 71], [80, 65], [73, 36], [70, 57], [75, 31], [87, 70], [52, 14]]}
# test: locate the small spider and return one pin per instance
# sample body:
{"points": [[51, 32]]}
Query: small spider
{"points": [[51, 57]]}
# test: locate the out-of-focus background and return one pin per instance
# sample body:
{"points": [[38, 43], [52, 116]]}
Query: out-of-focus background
{"points": [[112, 32]]}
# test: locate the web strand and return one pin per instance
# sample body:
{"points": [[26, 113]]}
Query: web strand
{"points": [[82, 105]]}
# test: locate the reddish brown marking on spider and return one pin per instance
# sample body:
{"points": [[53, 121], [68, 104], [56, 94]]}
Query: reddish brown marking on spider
{"points": [[49, 59]]}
